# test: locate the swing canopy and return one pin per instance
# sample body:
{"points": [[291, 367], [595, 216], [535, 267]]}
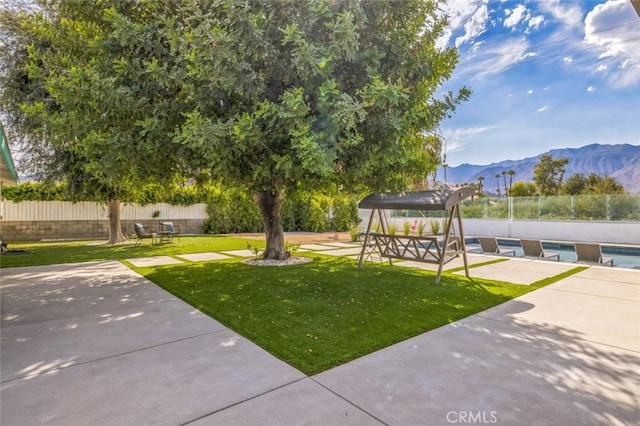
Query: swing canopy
{"points": [[416, 200]]}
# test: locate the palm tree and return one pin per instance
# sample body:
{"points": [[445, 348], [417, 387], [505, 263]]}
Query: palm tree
{"points": [[497, 176], [480, 179], [510, 173], [504, 179]]}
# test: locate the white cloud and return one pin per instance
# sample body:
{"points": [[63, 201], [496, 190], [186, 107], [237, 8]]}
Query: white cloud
{"points": [[591, 89], [530, 91], [458, 138], [569, 14], [527, 55], [602, 68], [618, 43], [495, 58], [474, 26], [477, 45], [536, 21], [515, 16], [468, 15], [567, 59], [542, 109]]}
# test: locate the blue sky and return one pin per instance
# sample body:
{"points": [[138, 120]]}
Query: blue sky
{"points": [[545, 74]]}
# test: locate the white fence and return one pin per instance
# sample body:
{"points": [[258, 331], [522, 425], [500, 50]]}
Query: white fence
{"points": [[64, 210]]}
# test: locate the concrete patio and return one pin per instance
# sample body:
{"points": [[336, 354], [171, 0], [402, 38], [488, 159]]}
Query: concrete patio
{"points": [[96, 343]]}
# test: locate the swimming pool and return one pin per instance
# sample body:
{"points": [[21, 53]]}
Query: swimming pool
{"points": [[623, 256]]}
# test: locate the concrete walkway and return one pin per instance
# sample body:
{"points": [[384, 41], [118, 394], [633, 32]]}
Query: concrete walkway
{"points": [[97, 344]]}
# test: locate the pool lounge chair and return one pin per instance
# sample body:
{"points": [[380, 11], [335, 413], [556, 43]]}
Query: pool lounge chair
{"points": [[489, 245], [591, 253], [534, 249]]}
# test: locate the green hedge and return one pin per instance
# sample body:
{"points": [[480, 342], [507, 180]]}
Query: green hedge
{"points": [[230, 210], [233, 210], [34, 191]]}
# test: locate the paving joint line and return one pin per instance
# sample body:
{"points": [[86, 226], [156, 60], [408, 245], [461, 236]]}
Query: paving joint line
{"points": [[527, 326], [589, 294], [175, 299], [350, 402], [243, 401]]}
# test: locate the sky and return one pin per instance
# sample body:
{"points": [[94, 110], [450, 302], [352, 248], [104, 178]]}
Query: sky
{"points": [[545, 74]]}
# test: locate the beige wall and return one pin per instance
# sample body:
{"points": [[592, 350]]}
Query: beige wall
{"points": [[52, 220], [15, 231]]}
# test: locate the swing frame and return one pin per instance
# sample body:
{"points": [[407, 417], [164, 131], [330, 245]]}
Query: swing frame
{"points": [[435, 249]]}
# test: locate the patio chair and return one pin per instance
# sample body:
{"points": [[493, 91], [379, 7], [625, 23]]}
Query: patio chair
{"points": [[533, 248], [591, 253], [167, 231], [142, 234], [178, 231], [489, 245]]}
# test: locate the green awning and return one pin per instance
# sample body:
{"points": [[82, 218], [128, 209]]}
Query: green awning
{"points": [[8, 175]]}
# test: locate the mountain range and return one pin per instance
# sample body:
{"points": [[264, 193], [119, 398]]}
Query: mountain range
{"points": [[622, 162]]}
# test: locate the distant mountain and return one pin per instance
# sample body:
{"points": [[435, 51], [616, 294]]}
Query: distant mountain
{"points": [[621, 162]]}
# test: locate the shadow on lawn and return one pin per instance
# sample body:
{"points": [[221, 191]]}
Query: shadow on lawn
{"points": [[321, 314]]}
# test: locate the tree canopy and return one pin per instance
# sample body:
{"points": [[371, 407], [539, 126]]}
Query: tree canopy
{"points": [[79, 90], [579, 184], [548, 174], [289, 94], [523, 189], [270, 95]]}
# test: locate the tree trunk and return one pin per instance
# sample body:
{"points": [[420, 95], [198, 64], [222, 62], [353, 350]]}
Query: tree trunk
{"points": [[269, 204], [115, 230]]}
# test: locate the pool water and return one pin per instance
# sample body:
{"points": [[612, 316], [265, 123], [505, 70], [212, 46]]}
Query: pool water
{"points": [[623, 256]]}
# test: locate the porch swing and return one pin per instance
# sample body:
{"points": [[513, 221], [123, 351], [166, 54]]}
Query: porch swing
{"points": [[435, 249]]}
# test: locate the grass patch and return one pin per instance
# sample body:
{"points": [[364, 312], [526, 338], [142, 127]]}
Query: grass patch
{"points": [[55, 252], [313, 316], [545, 282], [325, 313], [477, 265]]}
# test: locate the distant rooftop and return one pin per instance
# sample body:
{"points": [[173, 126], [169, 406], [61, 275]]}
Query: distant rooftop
{"points": [[8, 175]]}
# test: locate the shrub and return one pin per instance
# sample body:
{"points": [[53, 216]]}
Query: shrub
{"points": [[34, 191], [233, 210], [406, 227], [421, 226], [435, 226], [354, 231], [393, 228]]}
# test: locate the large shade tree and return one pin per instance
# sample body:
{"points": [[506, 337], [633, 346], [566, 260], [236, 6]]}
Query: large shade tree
{"points": [[79, 89], [269, 95], [286, 94]]}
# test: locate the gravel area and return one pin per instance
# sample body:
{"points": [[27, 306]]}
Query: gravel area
{"points": [[272, 262]]}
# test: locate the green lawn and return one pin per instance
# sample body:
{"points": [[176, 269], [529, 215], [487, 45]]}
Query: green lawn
{"points": [[49, 253], [322, 314], [314, 316]]}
